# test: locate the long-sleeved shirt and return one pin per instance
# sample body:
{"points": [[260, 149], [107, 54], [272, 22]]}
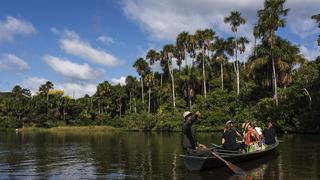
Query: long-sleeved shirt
{"points": [[189, 139]]}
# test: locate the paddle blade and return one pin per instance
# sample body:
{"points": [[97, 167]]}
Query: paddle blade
{"points": [[237, 170]]}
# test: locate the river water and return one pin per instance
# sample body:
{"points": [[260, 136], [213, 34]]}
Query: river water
{"points": [[137, 155]]}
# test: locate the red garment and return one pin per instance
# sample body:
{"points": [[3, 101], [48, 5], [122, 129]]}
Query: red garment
{"points": [[250, 137]]}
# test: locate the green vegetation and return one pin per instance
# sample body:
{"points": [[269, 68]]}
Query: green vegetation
{"points": [[276, 83]]}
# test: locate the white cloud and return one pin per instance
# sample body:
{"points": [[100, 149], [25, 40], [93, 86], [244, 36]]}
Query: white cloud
{"points": [[72, 44], [77, 90], [299, 17], [54, 30], [33, 83], [105, 39], [70, 88], [11, 27], [310, 53], [121, 81], [72, 70], [11, 62], [163, 20]]}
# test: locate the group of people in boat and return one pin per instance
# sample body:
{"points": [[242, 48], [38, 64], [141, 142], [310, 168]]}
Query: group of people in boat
{"points": [[252, 138]]}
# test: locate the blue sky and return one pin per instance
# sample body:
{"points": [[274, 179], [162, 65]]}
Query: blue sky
{"points": [[77, 44]]}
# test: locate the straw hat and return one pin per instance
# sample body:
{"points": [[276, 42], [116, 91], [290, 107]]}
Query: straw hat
{"points": [[245, 125], [228, 122], [187, 113]]}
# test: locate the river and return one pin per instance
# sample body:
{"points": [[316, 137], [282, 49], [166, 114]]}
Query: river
{"points": [[138, 155]]}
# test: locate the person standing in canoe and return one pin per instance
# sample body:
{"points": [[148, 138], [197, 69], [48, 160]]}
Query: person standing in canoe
{"points": [[189, 141], [229, 138]]}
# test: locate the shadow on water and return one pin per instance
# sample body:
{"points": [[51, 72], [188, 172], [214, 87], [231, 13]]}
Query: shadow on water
{"points": [[263, 168]]}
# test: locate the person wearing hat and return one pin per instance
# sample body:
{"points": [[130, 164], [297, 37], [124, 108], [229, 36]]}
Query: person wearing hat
{"points": [[229, 137], [190, 145]]}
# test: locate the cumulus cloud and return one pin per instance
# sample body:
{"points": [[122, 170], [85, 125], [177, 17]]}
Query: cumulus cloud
{"points": [[72, 70], [299, 17], [71, 89], [72, 44], [77, 90], [105, 39], [11, 27], [163, 20], [33, 83], [310, 53], [121, 81], [10, 62]]}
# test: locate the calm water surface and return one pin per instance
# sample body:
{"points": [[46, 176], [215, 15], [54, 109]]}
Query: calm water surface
{"points": [[134, 155]]}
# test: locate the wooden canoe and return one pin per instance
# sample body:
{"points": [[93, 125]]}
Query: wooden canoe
{"points": [[198, 163]]}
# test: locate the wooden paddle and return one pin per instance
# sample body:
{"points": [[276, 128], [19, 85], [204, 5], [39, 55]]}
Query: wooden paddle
{"points": [[237, 170]]}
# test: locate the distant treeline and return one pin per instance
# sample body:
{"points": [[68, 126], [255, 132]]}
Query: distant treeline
{"points": [[276, 83]]}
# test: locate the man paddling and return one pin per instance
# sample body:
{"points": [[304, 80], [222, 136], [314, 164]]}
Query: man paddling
{"points": [[189, 141]]}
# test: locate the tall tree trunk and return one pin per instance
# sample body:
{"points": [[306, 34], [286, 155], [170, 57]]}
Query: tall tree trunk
{"points": [[99, 104], [274, 78], [221, 69], [309, 96], [135, 105], [204, 74], [149, 103], [172, 83], [189, 96], [173, 91], [130, 101], [161, 81], [142, 96], [237, 67]]}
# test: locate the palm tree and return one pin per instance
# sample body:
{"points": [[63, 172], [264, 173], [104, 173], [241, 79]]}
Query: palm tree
{"points": [[317, 19], [168, 52], [220, 47], [235, 21], [182, 44], [103, 92], [204, 37], [241, 44], [191, 47], [269, 20], [255, 35], [152, 56], [131, 86], [285, 56], [149, 78], [142, 68], [44, 91]]}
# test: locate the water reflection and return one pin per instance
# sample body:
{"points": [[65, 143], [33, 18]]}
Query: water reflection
{"points": [[133, 155], [262, 168]]}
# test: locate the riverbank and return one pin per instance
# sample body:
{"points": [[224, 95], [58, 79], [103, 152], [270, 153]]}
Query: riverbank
{"points": [[105, 128], [73, 129]]}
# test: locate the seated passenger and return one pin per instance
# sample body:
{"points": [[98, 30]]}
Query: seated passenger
{"points": [[269, 134], [251, 139], [229, 138]]}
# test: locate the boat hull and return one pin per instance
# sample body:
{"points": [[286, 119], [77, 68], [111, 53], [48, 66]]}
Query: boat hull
{"points": [[197, 163]]}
